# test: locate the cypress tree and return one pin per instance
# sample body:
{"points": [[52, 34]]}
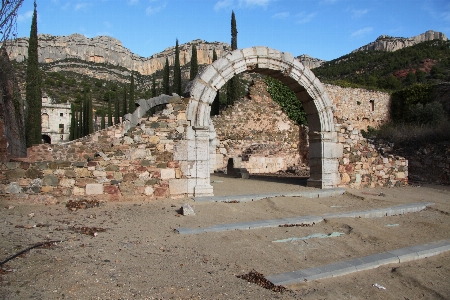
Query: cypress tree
{"points": [[153, 86], [194, 63], [72, 123], [215, 106], [85, 114], [177, 71], [166, 75], [90, 116], [125, 104], [80, 122], [75, 128], [131, 104], [33, 130], [233, 84], [109, 111], [116, 109], [102, 121]]}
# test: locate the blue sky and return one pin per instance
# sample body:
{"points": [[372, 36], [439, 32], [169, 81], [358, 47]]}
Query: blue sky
{"points": [[325, 29]]}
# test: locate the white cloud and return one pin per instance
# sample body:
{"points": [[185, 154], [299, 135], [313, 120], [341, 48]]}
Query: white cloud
{"points": [[81, 5], [358, 13], [156, 7], [362, 32], [303, 17], [281, 16], [223, 4], [26, 16]]}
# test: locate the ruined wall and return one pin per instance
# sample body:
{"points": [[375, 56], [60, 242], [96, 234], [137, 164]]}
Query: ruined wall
{"points": [[361, 107], [108, 163], [257, 130], [363, 164]]}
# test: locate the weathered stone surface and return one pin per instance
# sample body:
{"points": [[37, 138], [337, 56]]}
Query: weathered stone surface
{"points": [[127, 189], [188, 210], [82, 172], [15, 174], [111, 190], [167, 174], [50, 180], [129, 177], [13, 188], [67, 182], [94, 189]]}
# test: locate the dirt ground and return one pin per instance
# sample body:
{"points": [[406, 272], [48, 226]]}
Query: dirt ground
{"points": [[129, 249]]}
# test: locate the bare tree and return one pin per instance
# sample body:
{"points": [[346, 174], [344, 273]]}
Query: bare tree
{"points": [[8, 19]]}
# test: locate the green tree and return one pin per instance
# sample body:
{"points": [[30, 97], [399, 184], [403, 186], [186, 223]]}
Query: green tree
{"points": [[72, 123], [116, 109], [85, 114], [194, 63], [233, 85], [177, 71], [420, 76], [90, 116], [131, 104], [166, 76], [109, 111], [215, 106], [102, 121], [411, 78], [33, 130], [125, 104], [153, 86]]}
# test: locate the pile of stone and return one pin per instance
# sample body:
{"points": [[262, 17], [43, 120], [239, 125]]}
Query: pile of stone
{"points": [[363, 165], [141, 162]]}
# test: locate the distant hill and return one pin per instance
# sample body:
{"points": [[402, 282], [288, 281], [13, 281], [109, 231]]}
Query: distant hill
{"points": [[424, 62], [110, 51], [391, 44]]}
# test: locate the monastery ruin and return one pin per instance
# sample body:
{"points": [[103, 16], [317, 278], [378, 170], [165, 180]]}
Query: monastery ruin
{"points": [[172, 153]]}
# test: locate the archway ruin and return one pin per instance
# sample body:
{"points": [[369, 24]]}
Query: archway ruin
{"points": [[325, 150]]}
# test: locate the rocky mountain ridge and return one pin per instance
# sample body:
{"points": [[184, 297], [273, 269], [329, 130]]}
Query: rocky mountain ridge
{"points": [[108, 50], [309, 61], [389, 43]]}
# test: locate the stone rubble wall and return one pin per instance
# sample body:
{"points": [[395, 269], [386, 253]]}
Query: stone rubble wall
{"points": [[257, 130], [364, 165], [139, 157], [108, 162], [355, 105]]}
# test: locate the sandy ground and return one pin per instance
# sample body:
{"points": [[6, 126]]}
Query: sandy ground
{"points": [[140, 256]]}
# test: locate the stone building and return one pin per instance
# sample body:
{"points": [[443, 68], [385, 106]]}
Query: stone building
{"points": [[55, 121]]}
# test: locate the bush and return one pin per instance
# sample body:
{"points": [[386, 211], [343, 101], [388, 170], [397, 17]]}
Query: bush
{"points": [[428, 114]]}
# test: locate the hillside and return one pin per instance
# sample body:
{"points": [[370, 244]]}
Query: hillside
{"points": [[425, 62]]}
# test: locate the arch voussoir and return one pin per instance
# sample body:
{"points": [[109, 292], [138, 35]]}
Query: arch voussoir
{"points": [[324, 149]]}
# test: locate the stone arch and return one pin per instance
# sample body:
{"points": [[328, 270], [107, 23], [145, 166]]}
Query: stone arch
{"points": [[325, 150], [47, 139]]}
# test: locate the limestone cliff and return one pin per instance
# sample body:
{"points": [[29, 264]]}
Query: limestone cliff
{"points": [[389, 43], [108, 50], [309, 61]]}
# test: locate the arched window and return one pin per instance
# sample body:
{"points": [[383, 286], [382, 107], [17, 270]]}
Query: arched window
{"points": [[45, 123]]}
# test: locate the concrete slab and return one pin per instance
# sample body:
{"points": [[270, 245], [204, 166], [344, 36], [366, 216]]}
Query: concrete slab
{"points": [[405, 254], [360, 264], [373, 213], [319, 193]]}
